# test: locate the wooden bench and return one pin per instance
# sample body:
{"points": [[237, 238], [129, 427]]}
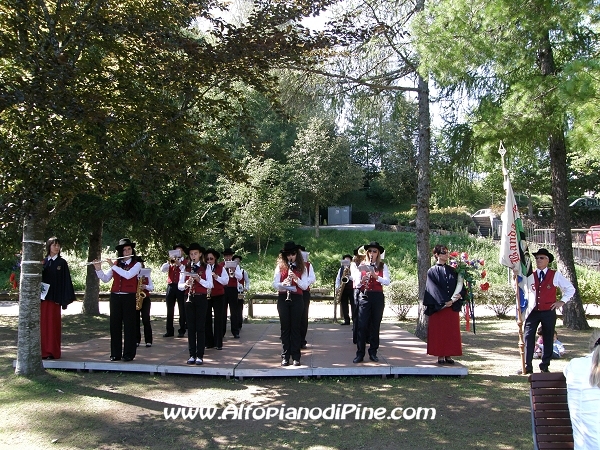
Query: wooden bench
{"points": [[550, 421]]}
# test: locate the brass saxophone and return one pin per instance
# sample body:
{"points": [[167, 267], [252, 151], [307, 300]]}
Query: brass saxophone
{"points": [[344, 281], [140, 295]]}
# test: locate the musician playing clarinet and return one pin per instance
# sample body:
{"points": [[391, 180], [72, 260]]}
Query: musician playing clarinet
{"points": [[220, 278], [195, 281], [122, 300], [290, 280], [373, 275]]}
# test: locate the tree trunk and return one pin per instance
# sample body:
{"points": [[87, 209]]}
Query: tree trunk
{"points": [[29, 350], [423, 197], [317, 220], [573, 312], [91, 306]]}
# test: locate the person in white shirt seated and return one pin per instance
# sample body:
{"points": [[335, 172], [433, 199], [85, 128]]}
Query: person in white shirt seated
{"points": [[583, 396]]}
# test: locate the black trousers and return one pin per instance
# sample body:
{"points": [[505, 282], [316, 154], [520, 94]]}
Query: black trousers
{"points": [[195, 311], [122, 325], [370, 312], [354, 306], [174, 295], [290, 319], [306, 300], [345, 301], [214, 336], [548, 321], [235, 316], [144, 313]]}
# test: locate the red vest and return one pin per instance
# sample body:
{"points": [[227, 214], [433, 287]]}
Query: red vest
{"points": [[545, 294], [121, 284], [373, 285], [218, 288], [283, 275], [197, 288], [174, 271]]}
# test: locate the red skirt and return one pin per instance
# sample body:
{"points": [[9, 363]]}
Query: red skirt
{"points": [[443, 334], [50, 329]]}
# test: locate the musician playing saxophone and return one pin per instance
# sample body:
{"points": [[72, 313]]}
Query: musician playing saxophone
{"points": [[144, 313], [291, 278], [373, 275], [344, 281]]}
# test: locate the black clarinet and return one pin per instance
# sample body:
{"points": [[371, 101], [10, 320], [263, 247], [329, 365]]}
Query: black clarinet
{"points": [[291, 267]]}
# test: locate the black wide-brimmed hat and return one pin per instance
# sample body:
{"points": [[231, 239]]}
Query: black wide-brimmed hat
{"points": [[212, 251], [237, 257], [348, 256], [195, 246], [289, 247], [181, 246], [124, 243], [228, 251], [543, 251], [374, 244]]}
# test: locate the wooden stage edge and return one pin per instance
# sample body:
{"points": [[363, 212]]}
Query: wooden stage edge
{"points": [[257, 354]]}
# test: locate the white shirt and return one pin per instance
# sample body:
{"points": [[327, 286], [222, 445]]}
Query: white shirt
{"points": [[277, 284], [384, 280], [208, 283], [127, 274], [584, 403]]}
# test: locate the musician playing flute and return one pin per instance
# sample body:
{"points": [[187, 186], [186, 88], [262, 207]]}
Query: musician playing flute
{"points": [[373, 275], [290, 279], [174, 267], [195, 281], [122, 300], [231, 296]]}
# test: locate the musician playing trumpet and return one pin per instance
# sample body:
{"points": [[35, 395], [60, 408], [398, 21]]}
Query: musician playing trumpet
{"points": [[343, 281], [195, 281], [290, 279], [122, 300], [174, 266], [231, 295], [373, 275]]}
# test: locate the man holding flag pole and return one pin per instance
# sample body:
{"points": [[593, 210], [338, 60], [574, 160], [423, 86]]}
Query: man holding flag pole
{"points": [[535, 292]]}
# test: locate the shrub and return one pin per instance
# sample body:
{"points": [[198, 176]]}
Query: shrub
{"points": [[501, 298], [401, 296], [589, 288], [360, 217], [388, 219]]}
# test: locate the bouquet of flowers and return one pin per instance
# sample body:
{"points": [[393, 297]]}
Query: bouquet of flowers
{"points": [[469, 270]]}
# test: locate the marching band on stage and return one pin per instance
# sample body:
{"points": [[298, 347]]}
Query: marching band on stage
{"points": [[203, 288]]}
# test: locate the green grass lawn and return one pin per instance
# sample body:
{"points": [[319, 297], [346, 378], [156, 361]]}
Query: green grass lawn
{"points": [[64, 409]]}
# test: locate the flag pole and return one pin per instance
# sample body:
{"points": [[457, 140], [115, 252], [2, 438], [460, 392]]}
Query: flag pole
{"points": [[502, 152]]}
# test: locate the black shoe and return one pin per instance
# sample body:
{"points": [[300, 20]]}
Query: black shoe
{"points": [[219, 348], [285, 362], [303, 346], [544, 369], [296, 362], [168, 334], [236, 336], [127, 359], [374, 358], [527, 371], [357, 359], [345, 323], [449, 361], [114, 358], [441, 361], [180, 335], [48, 357]]}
